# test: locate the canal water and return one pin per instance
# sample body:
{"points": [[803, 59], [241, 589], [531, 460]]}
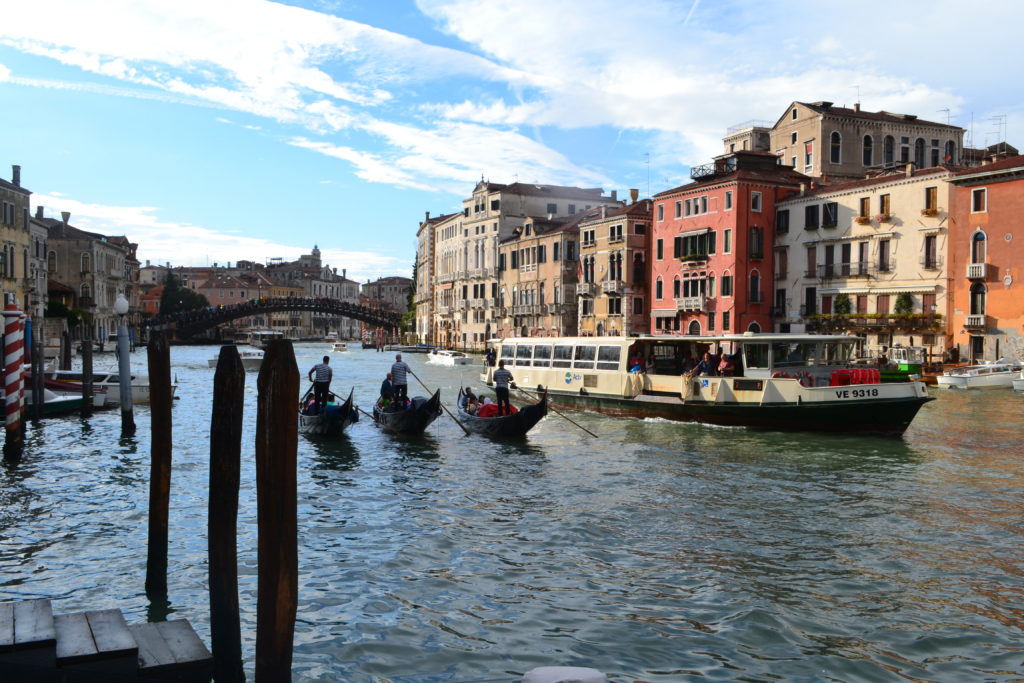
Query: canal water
{"points": [[657, 551]]}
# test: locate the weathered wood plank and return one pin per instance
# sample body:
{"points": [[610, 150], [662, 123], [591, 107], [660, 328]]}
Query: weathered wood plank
{"points": [[33, 622], [153, 649], [110, 632], [183, 642], [74, 639], [6, 624], [159, 356]]}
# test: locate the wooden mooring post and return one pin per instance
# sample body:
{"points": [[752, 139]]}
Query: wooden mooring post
{"points": [[225, 459], [159, 357], [277, 514]]}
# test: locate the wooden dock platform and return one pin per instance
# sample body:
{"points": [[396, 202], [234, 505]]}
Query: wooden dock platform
{"points": [[96, 646]]}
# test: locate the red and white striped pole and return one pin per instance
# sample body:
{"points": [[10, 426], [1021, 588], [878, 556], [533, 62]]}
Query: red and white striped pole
{"points": [[14, 364]]}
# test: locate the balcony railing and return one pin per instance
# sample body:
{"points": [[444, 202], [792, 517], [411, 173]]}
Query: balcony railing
{"points": [[931, 262], [616, 239], [691, 303], [460, 305], [476, 303], [612, 286], [976, 322], [922, 322], [977, 271], [586, 288], [490, 303]]}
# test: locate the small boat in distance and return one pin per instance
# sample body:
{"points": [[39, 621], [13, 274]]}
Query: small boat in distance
{"points": [[411, 419], [260, 338], [504, 426], [410, 348], [334, 419], [252, 359], [339, 347], [992, 375], [449, 358]]}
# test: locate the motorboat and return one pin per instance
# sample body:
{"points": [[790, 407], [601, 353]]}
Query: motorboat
{"points": [[410, 348], [991, 375], [339, 347], [260, 338], [449, 358], [252, 359], [110, 383]]}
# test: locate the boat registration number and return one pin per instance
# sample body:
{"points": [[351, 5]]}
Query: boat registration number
{"points": [[856, 393]]}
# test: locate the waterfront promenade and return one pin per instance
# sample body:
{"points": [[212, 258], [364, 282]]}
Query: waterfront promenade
{"points": [[658, 551]]}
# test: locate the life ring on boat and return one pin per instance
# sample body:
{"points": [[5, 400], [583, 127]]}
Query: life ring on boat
{"points": [[780, 375], [805, 378]]}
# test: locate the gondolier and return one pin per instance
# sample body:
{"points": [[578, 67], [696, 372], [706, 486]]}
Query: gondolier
{"points": [[321, 375], [399, 381], [502, 378]]}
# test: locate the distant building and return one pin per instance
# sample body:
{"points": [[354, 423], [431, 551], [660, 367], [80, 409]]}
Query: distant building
{"points": [[388, 292], [16, 246]]}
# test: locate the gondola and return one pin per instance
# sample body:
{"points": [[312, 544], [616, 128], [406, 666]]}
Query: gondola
{"points": [[332, 421], [517, 424], [412, 419]]}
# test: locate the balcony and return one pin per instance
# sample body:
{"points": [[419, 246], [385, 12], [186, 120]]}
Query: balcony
{"points": [[490, 303], [476, 303], [586, 288], [460, 305], [612, 286], [931, 262], [717, 167], [692, 303], [977, 271], [868, 322], [616, 239], [976, 322], [444, 310], [588, 243], [693, 259]]}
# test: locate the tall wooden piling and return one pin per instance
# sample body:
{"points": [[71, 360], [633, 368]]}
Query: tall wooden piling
{"points": [[277, 516], [87, 366], [159, 357], [225, 458], [65, 350]]}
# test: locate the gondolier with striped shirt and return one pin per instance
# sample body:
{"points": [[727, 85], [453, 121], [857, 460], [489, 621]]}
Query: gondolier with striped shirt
{"points": [[321, 375], [502, 378], [399, 381]]}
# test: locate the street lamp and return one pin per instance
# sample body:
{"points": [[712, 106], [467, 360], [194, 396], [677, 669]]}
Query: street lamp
{"points": [[124, 368]]}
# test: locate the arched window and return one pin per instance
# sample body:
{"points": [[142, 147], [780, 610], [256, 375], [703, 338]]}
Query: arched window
{"points": [[86, 291], [693, 328], [86, 263], [754, 327], [639, 272], [889, 150], [676, 291], [919, 152], [978, 299], [836, 147], [51, 262], [979, 247], [869, 157], [755, 286], [658, 288], [950, 157]]}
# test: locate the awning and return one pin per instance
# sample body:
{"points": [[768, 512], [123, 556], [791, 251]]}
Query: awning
{"points": [[691, 233], [909, 289], [852, 238], [937, 230]]}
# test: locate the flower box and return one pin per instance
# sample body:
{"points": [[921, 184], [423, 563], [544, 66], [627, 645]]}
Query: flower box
{"points": [[883, 218], [929, 212], [862, 220]]}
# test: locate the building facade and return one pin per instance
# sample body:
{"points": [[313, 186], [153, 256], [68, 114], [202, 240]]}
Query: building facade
{"points": [[986, 320], [16, 243]]}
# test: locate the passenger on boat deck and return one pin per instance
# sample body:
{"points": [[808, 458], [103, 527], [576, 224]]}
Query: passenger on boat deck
{"points": [[727, 366], [472, 405], [636, 363], [707, 367], [689, 363], [468, 396], [386, 389]]}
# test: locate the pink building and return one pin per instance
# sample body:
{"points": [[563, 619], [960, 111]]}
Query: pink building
{"points": [[711, 246]]}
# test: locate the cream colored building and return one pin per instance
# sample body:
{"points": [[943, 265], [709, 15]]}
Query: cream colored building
{"points": [[15, 241], [880, 242], [822, 140]]}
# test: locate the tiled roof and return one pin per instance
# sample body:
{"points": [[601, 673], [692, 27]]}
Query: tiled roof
{"points": [[783, 175], [883, 116], [559, 191], [1001, 165], [845, 185], [8, 185]]}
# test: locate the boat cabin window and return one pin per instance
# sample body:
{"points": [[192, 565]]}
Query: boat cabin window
{"points": [[793, 354], [508, 352], [608, 357], [837, 353], [562, 357], [524, 352], [542, 356], [584, 357], [755, 355]]}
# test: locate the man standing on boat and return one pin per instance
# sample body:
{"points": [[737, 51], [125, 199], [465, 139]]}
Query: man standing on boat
{"points": [[707, 366], [399, 381], [321, 374], [502, 378]]}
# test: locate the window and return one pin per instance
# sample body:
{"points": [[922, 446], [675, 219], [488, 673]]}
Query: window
{"points": [[978, 247], [661, 212], [727, 285], [919, 152], [660, 249], [835, 148], [704, 204], [862, 304], [562, 357], [676, 292], [640, 229], [865, 207], [794, 117], [572, 209], [687, 207], [792, 162], [808, 155], [812, 261], [552, 208], [725, 321], [615, 233], [811, 217], [782, 221], [931, 199], [542, 356], [883, 205], [755, 201], [882, 304], [792, 137], [727, 241], [495, 203], [979, 200], [728, 200], [755, 287], [950, 156], [889, 150], [608, 357], [869, 144], [756, 243], [978, 299], [781, 263], [658, 289], [679, 209], [883, 255], [829, 214], [810, 300], [711, 321], [638, 306]]}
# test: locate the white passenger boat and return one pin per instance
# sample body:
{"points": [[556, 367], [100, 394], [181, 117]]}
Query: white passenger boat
{"points": [[339, 347], [260, 338], [111, 384], [993, 375], [252, 359], [1018, 382], [446, 357], [780, 381]]}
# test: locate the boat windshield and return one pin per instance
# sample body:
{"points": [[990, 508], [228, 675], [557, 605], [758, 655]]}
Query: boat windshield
{"points": [[807, 352]]}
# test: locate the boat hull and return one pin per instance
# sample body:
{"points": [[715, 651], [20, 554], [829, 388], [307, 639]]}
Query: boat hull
{"points": [[505, 426], [412, 420], [333, 422]]}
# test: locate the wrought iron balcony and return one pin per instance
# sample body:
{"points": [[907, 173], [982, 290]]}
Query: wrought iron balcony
{"points": [[716, 167]]}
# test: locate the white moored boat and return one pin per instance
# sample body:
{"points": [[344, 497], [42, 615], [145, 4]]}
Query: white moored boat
{"points": [[111, 384], [993, 375], [445, 357], [252, 359], [778, 382], [1018, 382]]}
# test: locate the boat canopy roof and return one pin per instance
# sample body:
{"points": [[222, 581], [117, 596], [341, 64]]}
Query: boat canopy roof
{"points": [[743, 338]]}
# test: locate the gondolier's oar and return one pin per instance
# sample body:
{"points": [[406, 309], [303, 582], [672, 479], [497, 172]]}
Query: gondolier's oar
{"points": [[561, 415], [425, 387]]}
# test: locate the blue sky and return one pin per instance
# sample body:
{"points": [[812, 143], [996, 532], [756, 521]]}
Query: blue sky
{"points": [[223, 130]]}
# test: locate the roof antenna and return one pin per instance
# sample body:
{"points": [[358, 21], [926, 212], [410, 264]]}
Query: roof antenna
{"points": [[945, 109]]}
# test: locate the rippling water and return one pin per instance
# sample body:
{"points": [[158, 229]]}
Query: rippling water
{"points": [[657, 552]]}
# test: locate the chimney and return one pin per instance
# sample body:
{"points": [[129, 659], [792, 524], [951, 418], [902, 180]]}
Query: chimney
{"points": [[65, 216], [343, 272], [604, 212], [427, 218], [634, 194], [910, 170], [147, 263], [803, 189], [856, 106], [615, 195], [39, 212], [16, 175]]}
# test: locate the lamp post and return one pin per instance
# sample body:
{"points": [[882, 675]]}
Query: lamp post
{"points": [[124, 368]]}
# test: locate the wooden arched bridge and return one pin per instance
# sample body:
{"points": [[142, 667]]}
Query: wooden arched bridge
{"points": [[187, 323]]}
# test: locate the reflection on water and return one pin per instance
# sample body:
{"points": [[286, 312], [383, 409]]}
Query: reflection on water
{"points": [[657, 551]]}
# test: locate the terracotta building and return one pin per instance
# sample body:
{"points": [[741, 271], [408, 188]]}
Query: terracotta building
{"points": [[711, 246], [986, 252]]}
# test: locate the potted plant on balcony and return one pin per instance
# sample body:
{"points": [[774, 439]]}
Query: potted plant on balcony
{"points": [[862, 220], [929, 212], [883, 217]]}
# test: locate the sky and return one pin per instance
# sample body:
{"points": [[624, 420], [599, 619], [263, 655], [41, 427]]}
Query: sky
{"points": [[243, 129]]}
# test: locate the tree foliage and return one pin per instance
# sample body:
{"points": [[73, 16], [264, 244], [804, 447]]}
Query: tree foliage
{"points": [[904, 304], [177, 298], [842, 305]]}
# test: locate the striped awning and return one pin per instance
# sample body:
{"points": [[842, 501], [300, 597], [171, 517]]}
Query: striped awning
{"points": [[691, 233], [909, 289]]}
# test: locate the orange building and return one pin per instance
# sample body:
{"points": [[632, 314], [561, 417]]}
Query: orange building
{"points": [[986, 253]]}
